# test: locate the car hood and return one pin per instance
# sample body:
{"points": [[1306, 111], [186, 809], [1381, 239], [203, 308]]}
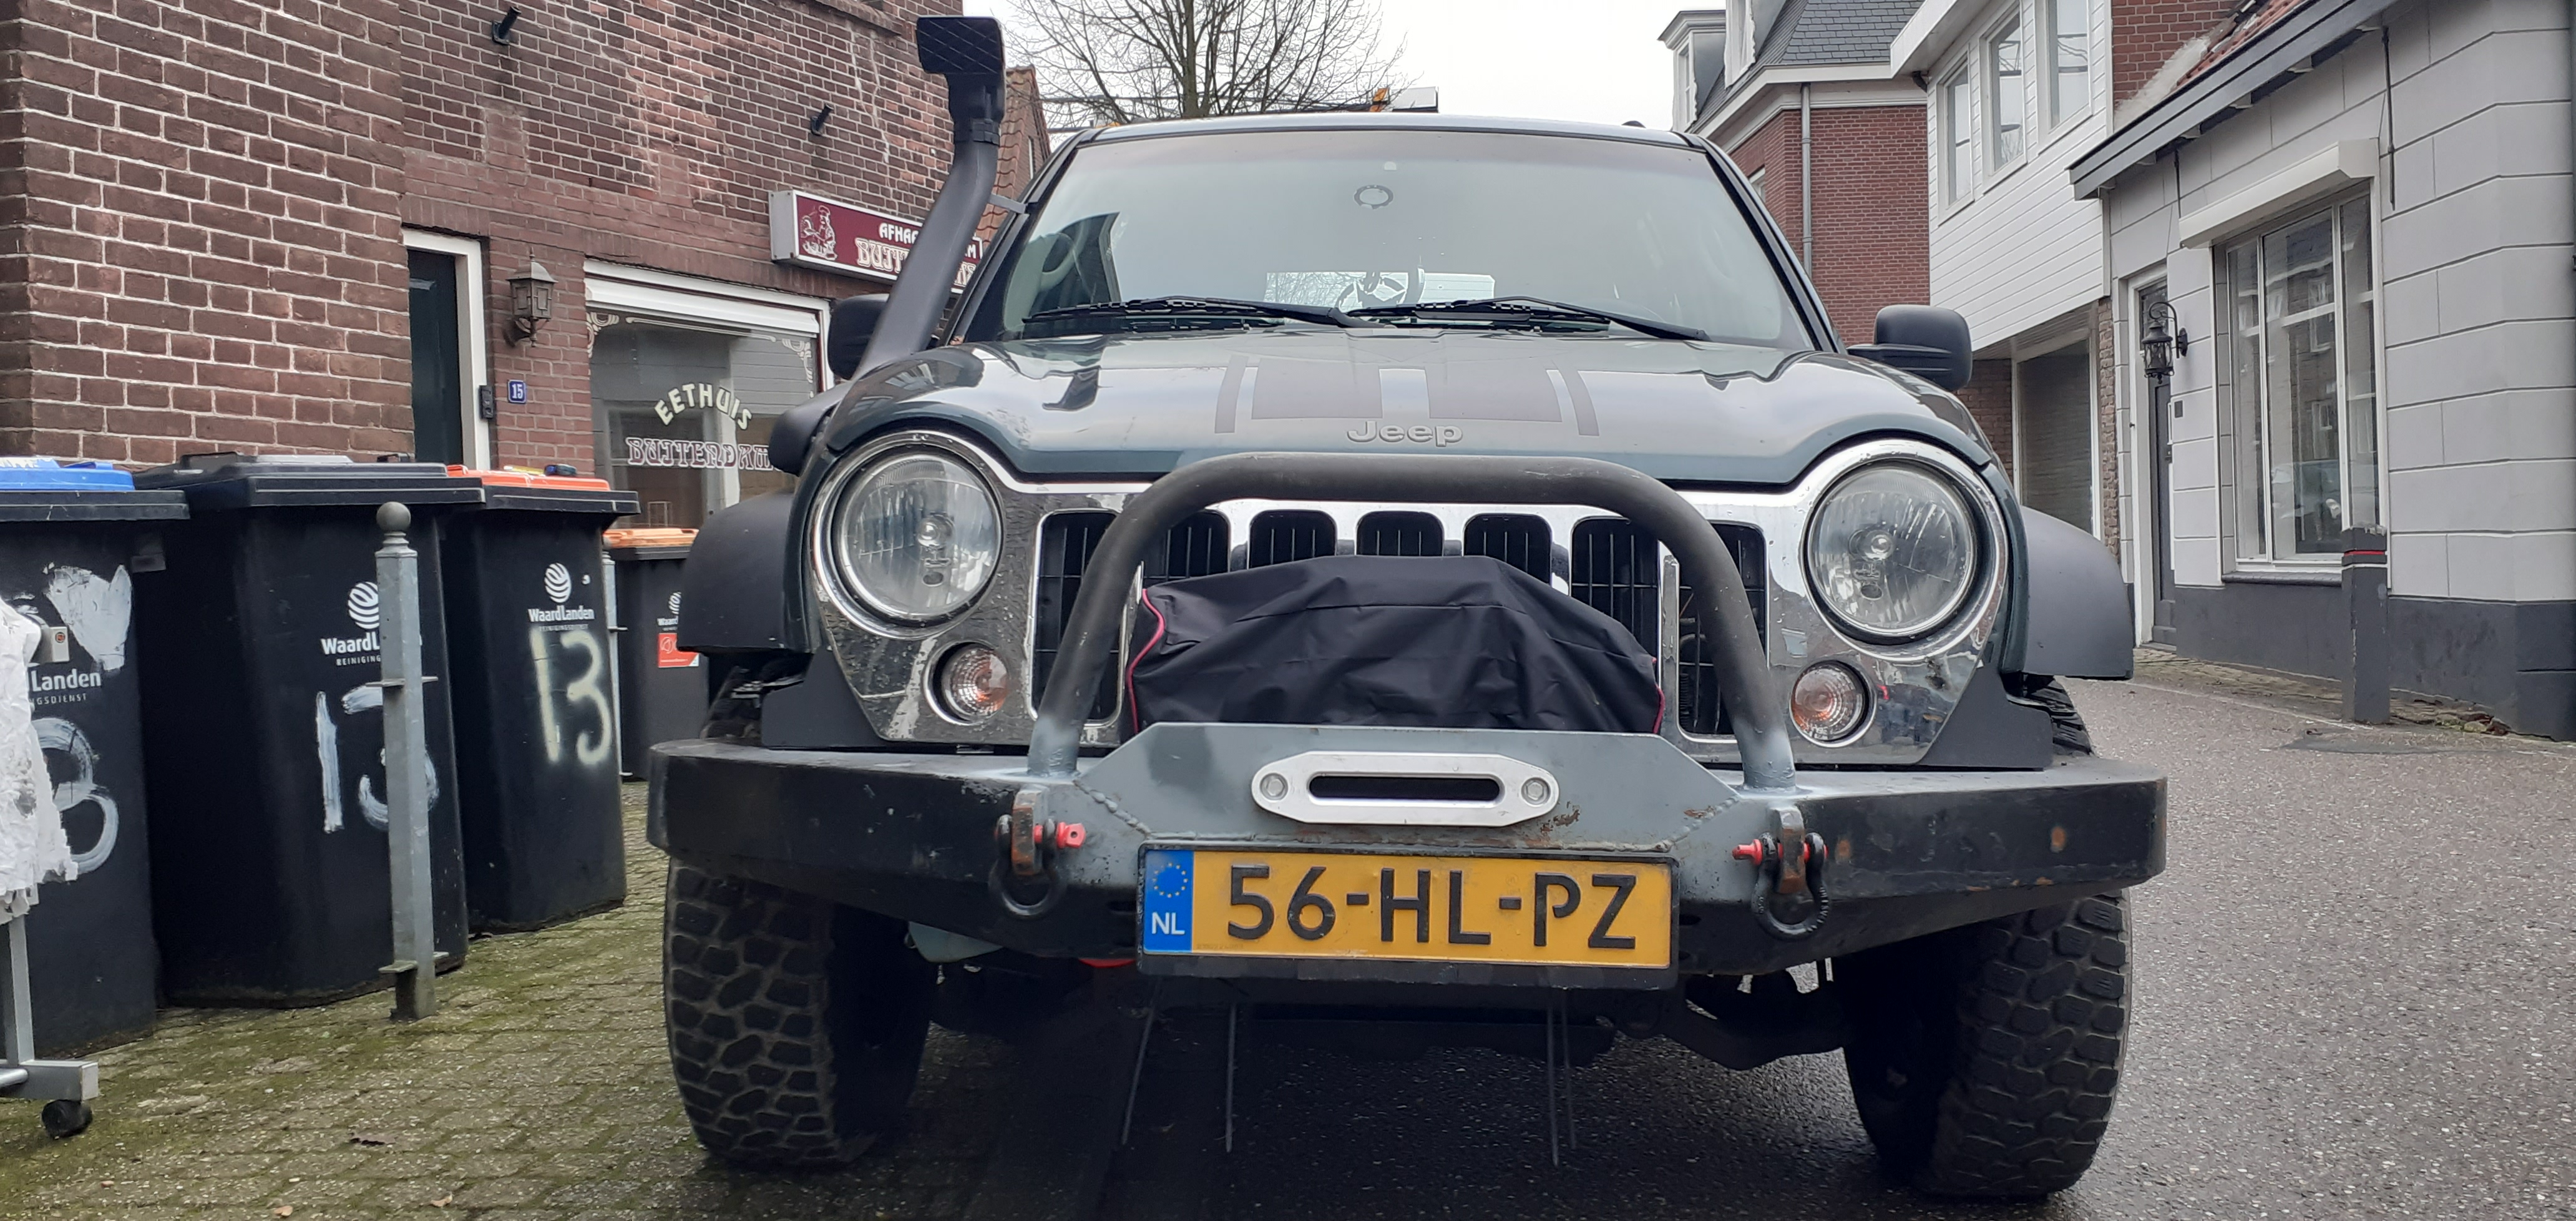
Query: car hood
{"points": [[1144, 404]]}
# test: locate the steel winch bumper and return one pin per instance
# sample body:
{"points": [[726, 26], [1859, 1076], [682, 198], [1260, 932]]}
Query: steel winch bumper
{"points": [[930, 838]]}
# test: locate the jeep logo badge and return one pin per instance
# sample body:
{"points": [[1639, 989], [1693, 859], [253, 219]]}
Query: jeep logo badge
{"points": [[1442, 436]]}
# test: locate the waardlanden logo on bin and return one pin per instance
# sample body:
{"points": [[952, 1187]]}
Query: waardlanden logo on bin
{"points": [[367, 612], [558, 584]]}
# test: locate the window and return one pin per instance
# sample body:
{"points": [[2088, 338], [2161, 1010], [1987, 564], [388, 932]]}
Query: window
{"points": [[2070, 57], [683, 410], [2303, 382], [1958, 165], [1388, 219], [1760, 182], [2004, 91]]}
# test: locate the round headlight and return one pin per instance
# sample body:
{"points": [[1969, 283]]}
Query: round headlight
{"points": [[1892, 551], [916, 536]]}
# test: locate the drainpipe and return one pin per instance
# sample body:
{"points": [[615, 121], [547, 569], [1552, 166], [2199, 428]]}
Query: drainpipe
{"points": [[1807, 176], [2571, 62]]}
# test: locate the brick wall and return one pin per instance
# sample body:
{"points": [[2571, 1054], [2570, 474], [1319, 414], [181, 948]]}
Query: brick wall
{"points": [[202, 201], [652, 135], [2146, 33], [1989, 399], [198, 241], [1872, 234]]}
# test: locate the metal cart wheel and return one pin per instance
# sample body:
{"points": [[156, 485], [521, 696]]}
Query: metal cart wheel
{"points": [[65, 1118]]}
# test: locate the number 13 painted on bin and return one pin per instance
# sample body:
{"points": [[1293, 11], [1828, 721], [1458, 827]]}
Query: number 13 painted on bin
{"points": [[590, 746]]}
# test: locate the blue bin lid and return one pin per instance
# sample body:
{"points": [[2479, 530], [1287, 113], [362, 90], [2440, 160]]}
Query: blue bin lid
{"points": [[48, 474]]}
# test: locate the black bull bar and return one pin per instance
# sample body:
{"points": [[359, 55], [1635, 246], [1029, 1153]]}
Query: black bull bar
{"points": [[1744, 680]]}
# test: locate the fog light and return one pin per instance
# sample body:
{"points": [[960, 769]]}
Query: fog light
{"points": [[1828, 702], [973, 682]]}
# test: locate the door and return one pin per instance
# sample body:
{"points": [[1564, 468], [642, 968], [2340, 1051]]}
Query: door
{"points": [[2160, 417], [437, 360]]}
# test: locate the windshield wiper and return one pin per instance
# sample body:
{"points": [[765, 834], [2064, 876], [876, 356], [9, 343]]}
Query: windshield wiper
{"points": [[1188, 312], [1527, 309]]}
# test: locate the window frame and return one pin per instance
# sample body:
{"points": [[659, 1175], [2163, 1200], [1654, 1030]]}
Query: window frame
{"points": [[1957, 111], [2060, 110], [2246, 422], [1990, 77], [474, 355]]}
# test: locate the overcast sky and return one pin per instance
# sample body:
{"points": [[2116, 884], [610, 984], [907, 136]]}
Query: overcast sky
{"points": [[1591, 60]]}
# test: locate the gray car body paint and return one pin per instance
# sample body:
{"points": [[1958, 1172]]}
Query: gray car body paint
{"points": [[1684, 412]]}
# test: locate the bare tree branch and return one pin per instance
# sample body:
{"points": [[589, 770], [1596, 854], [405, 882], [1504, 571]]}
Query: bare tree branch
{"points": [[1127, 61]]}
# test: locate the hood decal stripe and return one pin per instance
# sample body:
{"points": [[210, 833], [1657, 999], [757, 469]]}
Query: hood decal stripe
{"points": [[1230, 392], [1573, 395]]}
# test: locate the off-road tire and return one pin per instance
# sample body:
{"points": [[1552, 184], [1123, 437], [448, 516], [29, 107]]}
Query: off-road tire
{"points": [[2067, 734], [1984, 1060], [796, 1025]]}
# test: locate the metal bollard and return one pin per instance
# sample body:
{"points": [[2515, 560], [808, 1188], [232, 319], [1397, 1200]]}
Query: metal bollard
{"points": [[2365, 596], [415, 952]]}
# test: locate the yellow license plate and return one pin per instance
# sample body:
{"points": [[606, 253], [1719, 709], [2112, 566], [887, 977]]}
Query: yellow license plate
{"points": [[1544, 911]]}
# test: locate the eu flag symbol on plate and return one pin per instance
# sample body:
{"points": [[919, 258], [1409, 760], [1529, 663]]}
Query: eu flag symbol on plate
{"points": [[1165, 909]]}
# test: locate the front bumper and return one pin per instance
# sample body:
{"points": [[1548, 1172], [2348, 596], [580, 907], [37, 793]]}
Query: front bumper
{"points": [[914, 835]]}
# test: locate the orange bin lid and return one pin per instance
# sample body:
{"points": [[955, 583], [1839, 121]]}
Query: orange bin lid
{"points": [[522, 479], [650, 536]]}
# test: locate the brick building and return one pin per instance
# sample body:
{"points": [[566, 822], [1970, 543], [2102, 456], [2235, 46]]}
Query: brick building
{"points": [[1800, 94], [253, 225]]}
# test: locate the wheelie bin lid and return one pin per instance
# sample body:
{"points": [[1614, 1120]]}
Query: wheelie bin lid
{"points": [[527, 490], [55, 490], [217, 482], [649, 543]]}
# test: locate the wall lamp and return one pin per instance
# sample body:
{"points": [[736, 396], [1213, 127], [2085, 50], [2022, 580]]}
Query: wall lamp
{"points": [[2163, 339], [502, 29], [532, 301], [814, 125]]}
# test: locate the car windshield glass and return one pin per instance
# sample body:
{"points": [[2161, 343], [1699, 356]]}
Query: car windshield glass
{"points": [[1360, 219]]}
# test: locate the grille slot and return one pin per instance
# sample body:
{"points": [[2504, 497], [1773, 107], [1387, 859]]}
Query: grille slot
{"points": [[1517, 539], [1196, 547], [1283, 536], [1696, 705], [1391, 533], [1613, 567]]}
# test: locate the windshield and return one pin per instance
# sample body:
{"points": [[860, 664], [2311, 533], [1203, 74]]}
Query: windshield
{"points": [[1361, 220]]}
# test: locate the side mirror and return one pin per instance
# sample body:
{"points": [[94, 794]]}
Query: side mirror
{"points": [[791, 436], [1923, 340], [854, 320]]}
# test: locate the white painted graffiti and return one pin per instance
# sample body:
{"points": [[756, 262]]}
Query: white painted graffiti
{"points": [[590, 745], [356, 701], [60, 737]]}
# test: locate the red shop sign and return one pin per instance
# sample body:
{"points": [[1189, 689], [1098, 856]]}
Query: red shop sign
{"points": [[828, 235]]}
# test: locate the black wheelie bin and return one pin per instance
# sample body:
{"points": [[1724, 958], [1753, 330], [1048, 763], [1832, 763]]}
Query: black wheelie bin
{"points": [[661, 691], [264, 729], [536, 719], [72, 537]]}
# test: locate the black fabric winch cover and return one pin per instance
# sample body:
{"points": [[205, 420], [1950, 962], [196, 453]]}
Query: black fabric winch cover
{"points": [[1452, 642]]}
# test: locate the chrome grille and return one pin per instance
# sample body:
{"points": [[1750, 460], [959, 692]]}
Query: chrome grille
{"points": [[1611, 566]]}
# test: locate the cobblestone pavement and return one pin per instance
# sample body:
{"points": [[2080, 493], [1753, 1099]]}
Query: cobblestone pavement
{"points": [[540, 1090]]}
